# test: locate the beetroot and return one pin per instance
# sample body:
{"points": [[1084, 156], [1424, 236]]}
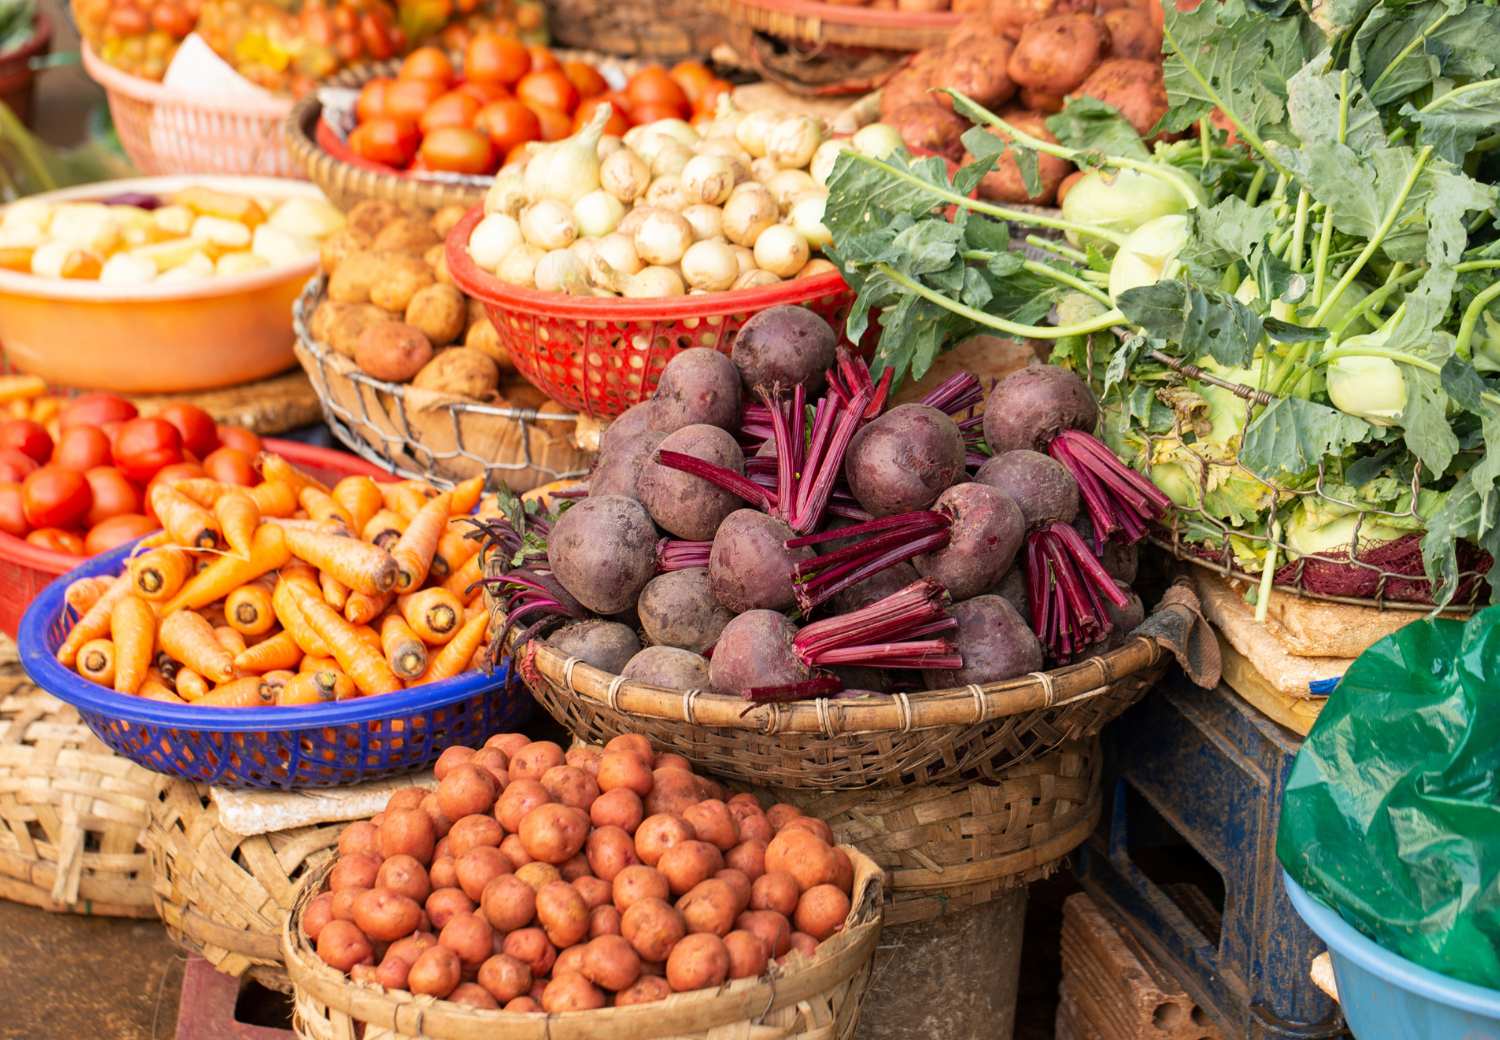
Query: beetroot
{"points": [[603, 550], [782, 347], [621, 463], [986, 532], [680, 503], [607, 645], [994, 642], [877, 586], [755, 650], [1031, 406], [750, 565], [679, 609], [668, 667], [633, 421], [699, 385], [1039, 484], [903, 460], [1012, 589]]}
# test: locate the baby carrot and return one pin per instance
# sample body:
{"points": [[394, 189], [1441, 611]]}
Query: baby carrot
{"points": [[132, 626], [465, 496], [454, 657], [158, 574], [280, 651], [383, 529], [185, 520], [413, 552], [359, 608], [307, 688], [435, 614], [94, 622], [455, 547], [321, 507], [268, 551], [360, 498], [403, 651], [358, 565], [155, 688], [238, 517], [191, 640], [459, 581], [275, 498], [313, 664], [84, 593], [290, 615], [334, 593], [96, 661], [274, 467], [248, 609], [190, 685], [356, 658], [229, 638], [248, 692]]}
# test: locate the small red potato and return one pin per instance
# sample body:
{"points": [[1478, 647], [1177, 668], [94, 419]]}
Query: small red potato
{"points": [[341, 945], [697, 962], [508, 903]]}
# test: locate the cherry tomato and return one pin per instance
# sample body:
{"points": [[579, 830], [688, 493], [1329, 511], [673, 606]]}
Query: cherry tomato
{"points": [[617, 123], [372, 103], [15, 466], [542, 58], [95, 410], [113, 494], [645, 112], [230, 466], [550, 88], [455, 108], [509, 124], [555, 123], [27, 437], [407, 99], [692, 76], [56, 540], [82, 448], [458, 149], [144, 446], [117, 530], [426, 63], [585, 78], [172, 19], [240, 438], [492, 58], [199, 433], [483, 93], [392, 142], [128, 20], [54, 496], [653, 86], [12, 513]]}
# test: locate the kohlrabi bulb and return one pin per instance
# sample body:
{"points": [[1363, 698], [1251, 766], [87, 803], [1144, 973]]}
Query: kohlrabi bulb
{"points": [[1372, 388], [1148, 255], [1123, 200]]}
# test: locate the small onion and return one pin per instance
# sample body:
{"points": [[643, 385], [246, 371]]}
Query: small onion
{"points": [[787, 185], [633, 219], [663, 237], [806, 215], [670, 159], [618, 250], [763, 169], [549, 224], [519, 266], [598, 213], [585, 249], [877, 140], [757, 279], [609, 144], [710, 265], [666, 192], [625, 175], [745, 258], [707, 221], [653, 282], [793, 141], [727, 147], [749, 211], [823, 159], [561, 271], [677, 130], [708, 179], [508, 194], [753, 130], [493, 238], [781, 250]]}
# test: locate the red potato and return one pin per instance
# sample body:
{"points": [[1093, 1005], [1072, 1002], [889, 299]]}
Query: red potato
{"points": [[648, 989], [688, 864], [444, 872], [596, 892], [406, 798], [515, 851], [1056, 54], [466, 790], [571, 992], [451, 757], [638, 882], [812, 825], [533, 760], [821, 911], [435, 973], [624, 769], [538, 874], [781, 813], [653, 928], [471, 994], [659, 833], [611, 963], [526, 1005], [494, 762], [713, 823], [408, 832], [394, 972], [317, 915], [562, 913], [749, 857], [738, 882], [673, 790], [520, 797], [773, 929], [634, 743], [697, 962], [584, 757], [554, 833], [531, 947], [574, 868], [411, 947], [472, 832], [804, 944], [669, 760], [504, 978], [748, 954], [804, 855], [569, 961], [976, 66], [1136, 88], [844, 874], [604, 920], [570, 785], [357, 870], [360, 836], [620, 808], [927, 126], [509, 743], [470, 936], [479, 866], [776, 890], [753, 826], [1132, 34], [610, 850], [1042, 100], [342, 945], [1005, 184], [386, 916], [711, 906], [442, 823], [508, 903], [444, 904], [911, 85]]}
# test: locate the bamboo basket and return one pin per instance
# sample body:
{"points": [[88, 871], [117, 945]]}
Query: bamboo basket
{"points": [[662, 30], [814, 998], [223, 895], [71, 810]]}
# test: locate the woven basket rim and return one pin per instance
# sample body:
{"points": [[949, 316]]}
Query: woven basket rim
{"points": [[841, 14], [848, 950], [138, 88]]}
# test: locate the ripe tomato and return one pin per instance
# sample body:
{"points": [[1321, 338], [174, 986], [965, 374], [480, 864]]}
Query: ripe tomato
{"points": [[95, 410], [171, 475], [391, 142], [230, 466], [556, 124], [27, 437], [12, 513], [82, 448], [54, 496], [200, 435], [240, 438], [542, 58], [117, 530], [128, 20], [653, 86], [585, 78], [483, 93], [519, 154], [172, 19], [372, 102], [643, 112], [56, 540], [407, 99], [549, 88], [144, 446], [15, 466], [380, 39], [458, 149], [707, 103], [113, 494], [427, 63], [492, 58], [455, 108], [692, 76], [508, 124], [617, 124]]}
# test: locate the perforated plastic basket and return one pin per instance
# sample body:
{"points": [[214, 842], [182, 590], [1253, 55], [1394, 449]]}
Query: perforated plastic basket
{"points": [[313, 746]]}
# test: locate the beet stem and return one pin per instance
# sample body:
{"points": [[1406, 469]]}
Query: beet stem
{"points": [[881, 523], [1089, 563], [676, 554], [916, 605], [823, 467], [1118, 499], [811, 594], [719, 476], [798, 691], [930, 653], [958, 393], [879, 543]]}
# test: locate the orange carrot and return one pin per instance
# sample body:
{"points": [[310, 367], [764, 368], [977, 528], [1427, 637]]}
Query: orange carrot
{"points": [[307, 688], [248, 609], [434, 614], [360, 498], [203, 490], [280, 651], [190, 639], [290, 616], [321, 507], [334, 593], [274, 467], [238, 517], [465, 496], [403, 651], [273, 684], [185, 520], [360, 609], [158, 574], [275, 498], [230, 639], [407, 498], [357, 565], [155, 688], [413, 553], [268, 551], [96, 661], [248, 692], [313, 664], [383, 529], [358, 659], [132, 626], [455, 548], [454, 657], [84, 593], [95, 621], [459, 581], [368, 636], [190, 685]]}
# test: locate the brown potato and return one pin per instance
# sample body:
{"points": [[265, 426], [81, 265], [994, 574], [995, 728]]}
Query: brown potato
{"points": [[436, 972], [927, 126], [342, 945], [1134, 87], [356, 870], [604, 920], [620, 808], [821, 911], [515, 851], [570, 785], [318, 913], [481, 336], [976, 66], [637, 882], [465, 791], [508, 903], [1042, 100], [478, 867], [658, 833], [740, 884], [392, 351], [713, 823], [697, 962], [408, 832], [586, 758], [399, 278], [571, 992], [562, 913], [773, 928], [1005, 184], [470, 936], [407, 235], [636, 744], [812, 825], [360, 836], [748, 954], [472, 831], [648, 989], [386, 916], [689, 863], [447, 218], [504, 978], [520, 796], [1056, 54], [780, 813], [611, 963], [346, 240], [357, 274], [596, 892], [554, 833], [909, 86], [1132, 34], [710, 906], [450, 759], [653, 928], [749, 856], [447, 903], [537, 874], [444, 872], [624, 769], [471, 994], [533, 760], [531, 947], [439, 311], [342, 907], [370, 216], [349, 323]]}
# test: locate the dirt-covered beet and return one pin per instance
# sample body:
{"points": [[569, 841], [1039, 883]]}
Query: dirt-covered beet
{"points": [[783, 346], [607, 645], [1012, 589], [904, 459], [669, 667], [681, 503], [987, 532], [621, 462], [679, 609], [877, 586], [1038, 483], [603, 550], [1032, 406], [633, 421], [995, 642], [699, 385], [755, 650], [749, 566]]}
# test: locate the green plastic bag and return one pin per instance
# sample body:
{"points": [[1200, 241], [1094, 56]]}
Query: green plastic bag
{"points": [[1392, 811]]}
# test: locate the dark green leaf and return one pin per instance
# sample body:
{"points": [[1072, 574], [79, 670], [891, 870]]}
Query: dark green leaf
{"points": [[1286, 332], [1091, 125], [1293, 435], [1003, 265], [968, 176], [984, 233], [1424, 421], [864, 193], [913, 332], [1227, 231], [1400, 51], [1201, 321], [1462, 383]]}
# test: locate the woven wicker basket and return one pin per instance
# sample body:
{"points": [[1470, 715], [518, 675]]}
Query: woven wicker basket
{"points": [[222, 895], [71, 810], [663, 30], [806, 999]]}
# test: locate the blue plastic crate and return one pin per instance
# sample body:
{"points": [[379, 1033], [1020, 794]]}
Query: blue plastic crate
{"points": [[299, 747]]}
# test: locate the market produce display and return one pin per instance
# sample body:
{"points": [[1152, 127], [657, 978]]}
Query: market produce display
{"points": [[171, 239], [286, 593], [535, 880]]}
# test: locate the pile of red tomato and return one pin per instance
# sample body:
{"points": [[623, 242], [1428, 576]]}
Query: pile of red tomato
{"points": [[84, 490], [428, 117]]}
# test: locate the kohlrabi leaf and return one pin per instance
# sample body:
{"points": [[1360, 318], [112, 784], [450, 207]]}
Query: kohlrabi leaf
{"points": [[1463, 515], [1201, 321], [865, 192], [1314, 103], [1226, 232], [1462, 383], [1400, 50], [1287, 332], [1091, 125], [1424, 421], [1454, 122], [928, 246], [1293, 435], [985, 146], [1121, 360]]}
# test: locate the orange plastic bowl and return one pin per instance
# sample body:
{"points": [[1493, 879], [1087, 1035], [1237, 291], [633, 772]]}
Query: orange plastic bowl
{"points": [[156, 339]]}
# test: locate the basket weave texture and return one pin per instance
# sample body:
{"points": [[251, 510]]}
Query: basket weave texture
{"points": [[804, 999], [812, 22], [222, 895], [71, 810], [659, 29]]}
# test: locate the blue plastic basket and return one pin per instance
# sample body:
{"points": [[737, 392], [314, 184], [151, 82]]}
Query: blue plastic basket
{"points": [[307, 746]]}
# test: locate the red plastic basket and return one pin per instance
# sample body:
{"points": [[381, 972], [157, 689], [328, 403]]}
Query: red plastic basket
{"points": [[599, 356], [26, 569]]}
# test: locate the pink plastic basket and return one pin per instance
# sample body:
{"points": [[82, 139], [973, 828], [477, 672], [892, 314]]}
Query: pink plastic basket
{"points": [[170, 131]]}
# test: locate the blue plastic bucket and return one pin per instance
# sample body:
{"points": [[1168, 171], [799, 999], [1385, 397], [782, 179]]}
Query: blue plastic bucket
{"points": [[1386, 997]]}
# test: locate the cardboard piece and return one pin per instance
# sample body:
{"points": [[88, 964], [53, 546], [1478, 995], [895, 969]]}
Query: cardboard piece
{"points": [[1261, 645], [250, 812]]}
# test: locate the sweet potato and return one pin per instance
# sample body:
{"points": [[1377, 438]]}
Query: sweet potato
{"points": [[1136, 88], [459, 371], [1132, 34], [1056, 54], [392, 350], [1005, 184], [928, 126]]}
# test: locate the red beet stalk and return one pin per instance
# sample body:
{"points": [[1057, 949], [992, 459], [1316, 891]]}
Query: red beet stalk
{"points": [[878, 635], [881, 543], [676, 554], [850, 377], [956, 394], [1064, 583], [1121, 503]]}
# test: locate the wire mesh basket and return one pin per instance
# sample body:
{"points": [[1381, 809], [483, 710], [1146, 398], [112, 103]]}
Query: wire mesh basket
{"points": [[424, 435]]}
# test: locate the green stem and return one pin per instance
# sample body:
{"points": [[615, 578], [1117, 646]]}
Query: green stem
{"points": [[1064, 278], [1325, 235], [1257, 181], [1011, 328], [1471, 318], [1373, 300], [1406, 51], [1057, 249], [1205, 142], [1268, 573], [1299, 230]]}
